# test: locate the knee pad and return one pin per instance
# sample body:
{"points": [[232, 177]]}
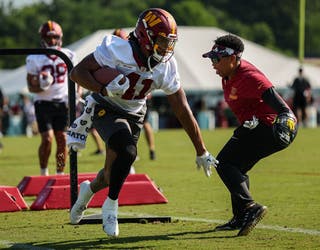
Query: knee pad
{"points": [[123, 144]]}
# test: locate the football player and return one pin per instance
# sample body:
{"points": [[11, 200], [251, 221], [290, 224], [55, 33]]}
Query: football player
{"points": [[148, 131], [47, 78], [267, 126], [147, 63]]}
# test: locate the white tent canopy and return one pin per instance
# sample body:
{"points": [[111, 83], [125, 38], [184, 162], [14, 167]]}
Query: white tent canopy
{"points": [[196, 72]]}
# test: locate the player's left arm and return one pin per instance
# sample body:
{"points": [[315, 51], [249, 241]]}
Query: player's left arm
{"points": [[182, 111], [275, 101], [285, 125], [181, 108]]}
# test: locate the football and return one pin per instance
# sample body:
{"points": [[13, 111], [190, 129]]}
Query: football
{"points": [[105, 75]]}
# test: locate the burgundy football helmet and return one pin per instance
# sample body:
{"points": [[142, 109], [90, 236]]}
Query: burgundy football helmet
{"points": [[51, 34], [156, 31]]}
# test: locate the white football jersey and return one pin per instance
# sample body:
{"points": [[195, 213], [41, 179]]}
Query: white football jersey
{"points": [[58, 69], [117, 53]]}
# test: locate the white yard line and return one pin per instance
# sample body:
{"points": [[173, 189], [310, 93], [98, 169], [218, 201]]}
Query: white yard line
{"points": [[269, 227], [262, 226]]}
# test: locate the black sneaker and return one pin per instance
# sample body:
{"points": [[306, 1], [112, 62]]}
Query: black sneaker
{"points": [[233, 224], [251, 218]]}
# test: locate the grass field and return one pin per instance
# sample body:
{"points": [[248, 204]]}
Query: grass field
{"points": [[287, 182]]}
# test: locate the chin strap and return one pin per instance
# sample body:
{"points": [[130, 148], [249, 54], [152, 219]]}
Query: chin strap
{"points": [[149, 64]]}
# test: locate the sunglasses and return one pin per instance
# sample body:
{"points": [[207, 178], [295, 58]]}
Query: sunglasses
{"points": [[217, 58]]}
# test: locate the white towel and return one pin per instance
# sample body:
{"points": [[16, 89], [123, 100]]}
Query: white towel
{"points": [[78, 131]]}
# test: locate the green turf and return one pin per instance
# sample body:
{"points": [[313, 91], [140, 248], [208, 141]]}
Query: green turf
{"points": [[287, 182]]}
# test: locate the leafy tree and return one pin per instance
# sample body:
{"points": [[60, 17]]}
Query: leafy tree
{"points": [[271, 23], [262, 34], [193, 13]]}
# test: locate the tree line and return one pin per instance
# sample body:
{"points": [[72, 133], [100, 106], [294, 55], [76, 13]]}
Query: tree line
{"points": [[270, 23]]}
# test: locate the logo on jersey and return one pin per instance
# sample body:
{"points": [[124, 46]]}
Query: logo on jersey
{"points": [[102, 112], [233, 94]]}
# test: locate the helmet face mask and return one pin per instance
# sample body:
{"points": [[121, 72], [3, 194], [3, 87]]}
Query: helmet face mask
{"points": [[156, 31], [163, 48], [51, 35]]}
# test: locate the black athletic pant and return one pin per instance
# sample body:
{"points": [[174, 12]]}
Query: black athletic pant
{"points": [[244, 149]]}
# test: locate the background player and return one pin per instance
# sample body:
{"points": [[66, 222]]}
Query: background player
{"points": [[47, 78], [302, 97]]}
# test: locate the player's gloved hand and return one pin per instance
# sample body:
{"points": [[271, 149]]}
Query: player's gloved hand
{"points": [[285, 128], [115, 88], [206, 161], [251, 124], [45, 80]]}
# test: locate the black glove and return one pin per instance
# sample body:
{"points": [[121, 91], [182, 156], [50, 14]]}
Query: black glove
{"points": [[285, 128]]}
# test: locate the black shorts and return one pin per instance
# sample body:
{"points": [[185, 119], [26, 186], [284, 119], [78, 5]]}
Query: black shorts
{"points": [[108, 119], [299, 101], [51, 115]]}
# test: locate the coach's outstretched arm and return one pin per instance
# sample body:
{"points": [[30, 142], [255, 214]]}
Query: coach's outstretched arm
{"points": [[182, 111]]}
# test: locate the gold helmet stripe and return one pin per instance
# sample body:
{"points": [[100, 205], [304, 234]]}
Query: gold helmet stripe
{"points": [[50, 24]]}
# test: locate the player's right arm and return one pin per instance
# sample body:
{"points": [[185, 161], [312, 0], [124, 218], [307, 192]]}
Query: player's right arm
{"points": [[41, 82], [82, 74], [37, 80], [33, 83]]}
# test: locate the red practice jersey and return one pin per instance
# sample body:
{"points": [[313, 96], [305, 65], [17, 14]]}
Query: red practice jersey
{"points": [[243, 93]]}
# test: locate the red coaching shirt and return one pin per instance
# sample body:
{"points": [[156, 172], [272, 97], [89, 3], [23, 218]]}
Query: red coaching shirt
{"points": [[243, 94]]}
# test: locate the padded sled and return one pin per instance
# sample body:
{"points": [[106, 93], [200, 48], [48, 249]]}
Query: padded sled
{"points": [[66, 181], [11, 199], [132, 193], [32, 185]]}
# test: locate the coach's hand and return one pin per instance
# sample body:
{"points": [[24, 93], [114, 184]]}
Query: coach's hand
{"points": [[206, 161], [251, 124], [285, 128]]}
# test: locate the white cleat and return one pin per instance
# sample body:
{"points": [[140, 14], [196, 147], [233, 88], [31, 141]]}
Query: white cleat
{"points": [[109, 217], [85, 195], [110, 225]]}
